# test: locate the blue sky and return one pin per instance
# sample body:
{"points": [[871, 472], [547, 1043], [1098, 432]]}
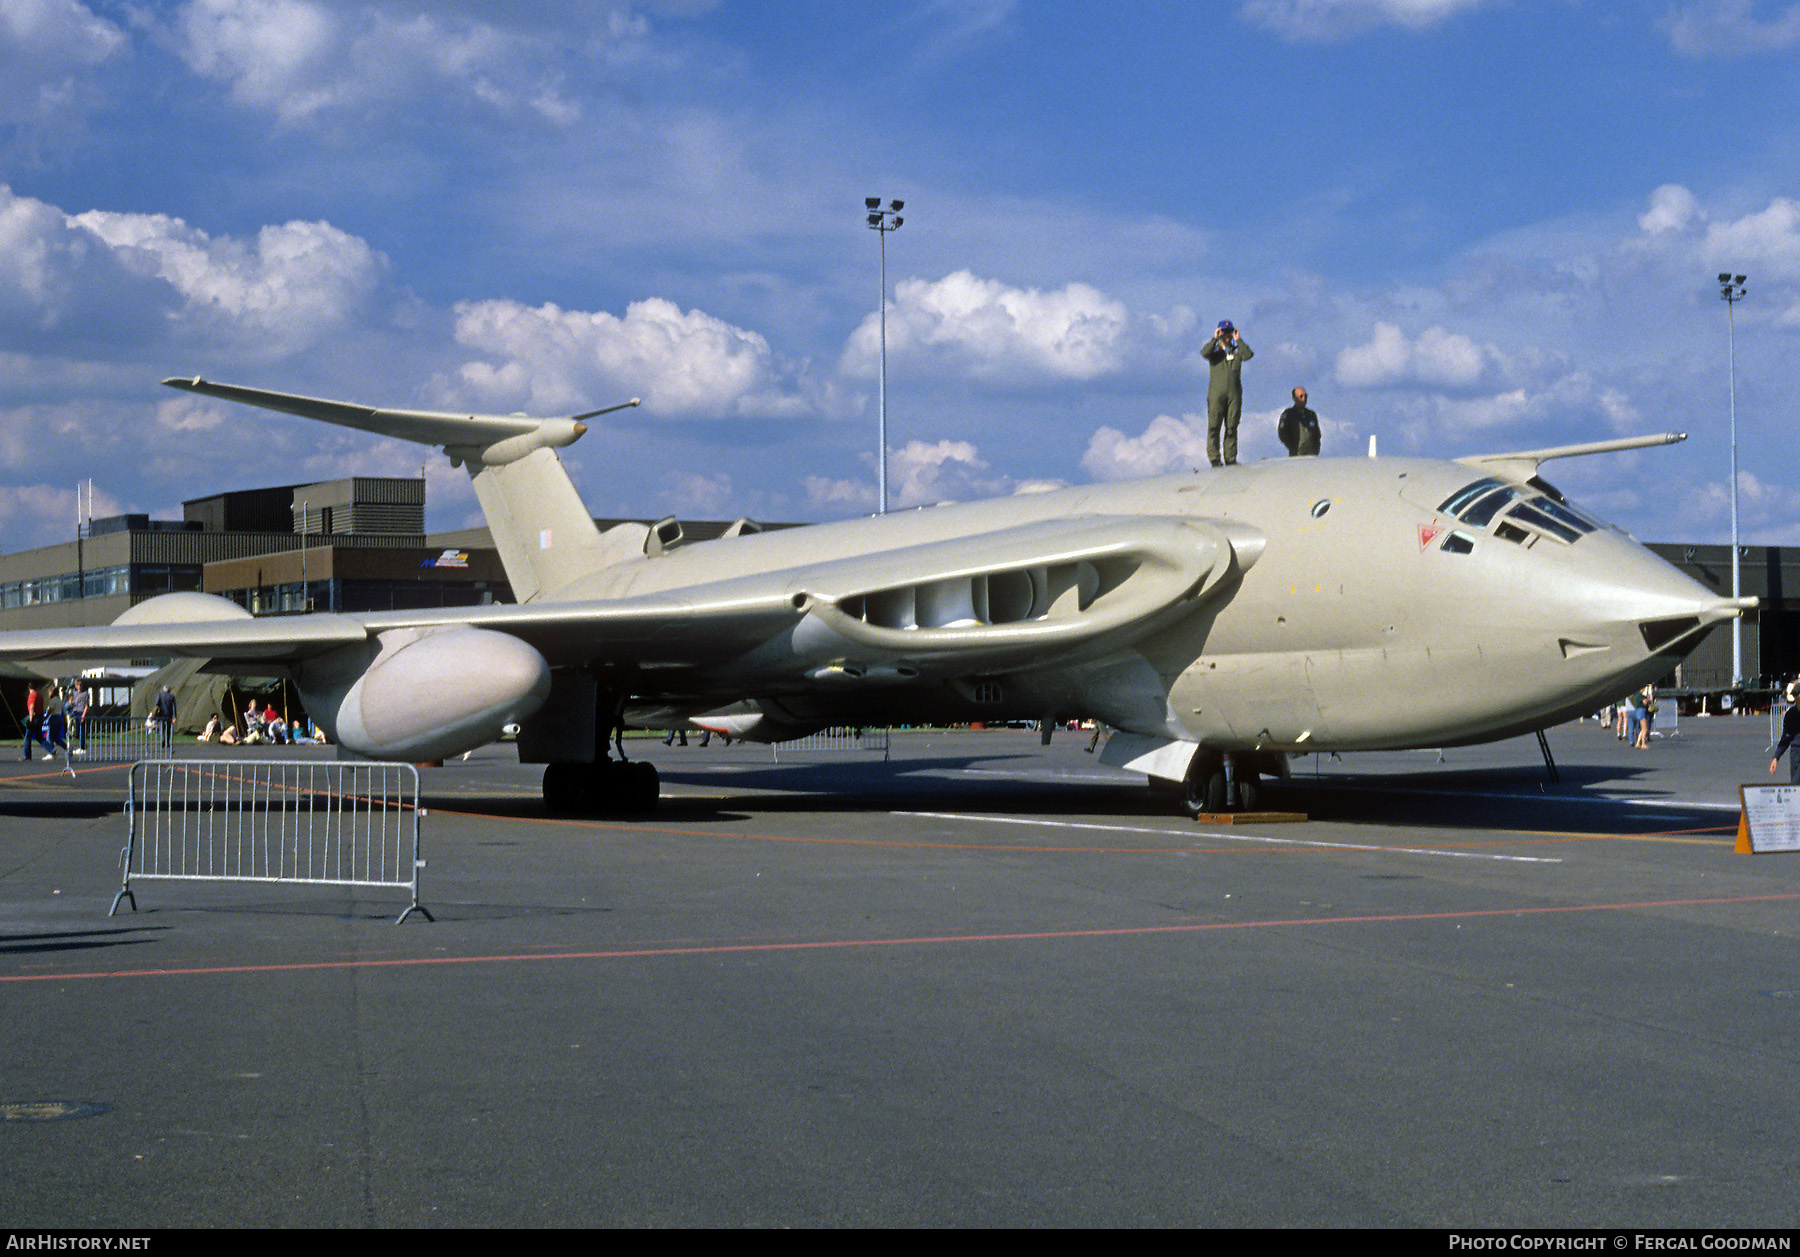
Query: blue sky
{"points": [[1465, 225]]}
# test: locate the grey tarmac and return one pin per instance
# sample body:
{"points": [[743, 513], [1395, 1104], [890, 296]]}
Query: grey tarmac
{"points": [[986, 984]]}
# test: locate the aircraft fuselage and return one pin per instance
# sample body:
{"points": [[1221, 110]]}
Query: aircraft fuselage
{"points": [[1365, 617]]}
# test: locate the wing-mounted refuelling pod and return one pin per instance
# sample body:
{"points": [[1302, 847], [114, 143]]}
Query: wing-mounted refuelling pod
{"points": [[421, 694]]}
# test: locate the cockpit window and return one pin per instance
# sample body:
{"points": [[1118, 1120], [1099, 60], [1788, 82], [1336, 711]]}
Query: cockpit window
{"points": [[1543, 523], [1527, 515], [1566, 514], [1458, 543], [1454, 504], [1487, 507]]}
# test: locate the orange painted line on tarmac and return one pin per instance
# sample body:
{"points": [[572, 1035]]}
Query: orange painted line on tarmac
{"points": [[61, 773], [717, 949]]}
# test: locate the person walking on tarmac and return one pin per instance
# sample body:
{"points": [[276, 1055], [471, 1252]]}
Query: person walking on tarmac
{"points": [[163, 713], [1790, 737], [1226, 352], [34, 722]]}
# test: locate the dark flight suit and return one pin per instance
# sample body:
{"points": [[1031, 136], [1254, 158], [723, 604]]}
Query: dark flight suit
{"points": [[1224, 395], [1790, 737], [1299, 431]]}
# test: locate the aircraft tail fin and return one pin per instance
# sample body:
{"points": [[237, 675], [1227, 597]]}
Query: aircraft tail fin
{"points": [[543, 531]]}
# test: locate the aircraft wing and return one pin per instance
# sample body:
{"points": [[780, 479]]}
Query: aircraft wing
{"points": [[1015, 595], [275, 638]]}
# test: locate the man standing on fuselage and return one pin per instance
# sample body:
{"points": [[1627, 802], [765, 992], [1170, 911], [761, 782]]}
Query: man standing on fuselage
{"points": [[1226, 353]]}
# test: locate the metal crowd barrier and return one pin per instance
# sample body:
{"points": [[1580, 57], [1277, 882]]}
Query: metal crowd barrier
{"points": [[846, 738], [290, 821], [117, 740]]}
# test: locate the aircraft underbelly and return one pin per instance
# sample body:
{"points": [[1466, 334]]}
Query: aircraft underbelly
{"points": [[1251, 699], [1379, 695]]}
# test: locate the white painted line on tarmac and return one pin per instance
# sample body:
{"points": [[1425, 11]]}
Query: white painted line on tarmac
{"points": [[1686, 805], [1236, 837]]}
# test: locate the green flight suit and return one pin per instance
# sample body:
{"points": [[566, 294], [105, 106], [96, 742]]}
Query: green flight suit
{"points": [[1224, 395]]}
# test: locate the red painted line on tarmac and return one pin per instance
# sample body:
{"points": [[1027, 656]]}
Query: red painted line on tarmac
{"points": [[840, 944]]}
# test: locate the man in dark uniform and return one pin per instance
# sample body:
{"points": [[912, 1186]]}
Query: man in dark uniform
{"points": [[1227, 353], [1790, 736], [164, 714], [1298, 427]]}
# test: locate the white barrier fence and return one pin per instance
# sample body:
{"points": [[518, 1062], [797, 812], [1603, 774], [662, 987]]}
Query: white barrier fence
{"points": [[846, 738], [289, 821], [117, 740]]}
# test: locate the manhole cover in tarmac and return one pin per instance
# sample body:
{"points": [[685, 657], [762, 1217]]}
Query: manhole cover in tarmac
{"points": [[50, 1110]]}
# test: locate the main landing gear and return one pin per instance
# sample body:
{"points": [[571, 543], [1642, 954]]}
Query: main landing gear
{"points": [[606, 786], [1229, 781]]}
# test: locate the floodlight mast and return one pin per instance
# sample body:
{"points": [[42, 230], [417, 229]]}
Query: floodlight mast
{"points": [[1732, 291], [883, 221]]}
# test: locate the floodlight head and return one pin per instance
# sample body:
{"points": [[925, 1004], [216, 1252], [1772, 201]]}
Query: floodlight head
{"points": [[898, 220], [896, 205], [874, 202], [1724, 279], [1739, 279], [874, 220]]}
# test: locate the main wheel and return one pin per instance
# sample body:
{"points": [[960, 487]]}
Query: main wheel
{"points": [[564, 788], [1250, 790], [639, 786], [1203, 790]]}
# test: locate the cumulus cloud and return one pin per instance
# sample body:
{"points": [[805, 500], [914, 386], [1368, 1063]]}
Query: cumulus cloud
{"points": [[1321, 20], [1678, 236], [41, 262], [1672, 208], [1767, 513], [1730, 28], [840, 497], [44, 513], [299, 58], [273, 295], [124, 277], [696, 493], [994, 331], [1435, 358], [1167, 445], [922, 472], [48, 52], [681, 362]]}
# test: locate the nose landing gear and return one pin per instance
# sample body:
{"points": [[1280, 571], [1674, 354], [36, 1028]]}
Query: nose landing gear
{"points": [[1227, 781]]}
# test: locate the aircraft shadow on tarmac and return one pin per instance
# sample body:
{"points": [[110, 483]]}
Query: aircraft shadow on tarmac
{"points": [[1516, 797], [43, 807], [77, 940]]}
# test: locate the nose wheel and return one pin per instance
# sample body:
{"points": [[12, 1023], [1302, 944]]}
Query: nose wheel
{"points": [[1221, 782]]}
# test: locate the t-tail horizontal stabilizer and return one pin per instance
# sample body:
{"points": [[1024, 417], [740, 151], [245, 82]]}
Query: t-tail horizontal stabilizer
{"points": [[544, 533], [1524, 464]]}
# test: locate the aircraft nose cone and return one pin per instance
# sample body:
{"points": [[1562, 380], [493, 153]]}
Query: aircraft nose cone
{"points": [[1633, 594]]}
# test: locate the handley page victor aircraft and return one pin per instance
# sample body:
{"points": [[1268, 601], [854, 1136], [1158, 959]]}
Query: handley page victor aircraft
{"points": [[1219, 619]]}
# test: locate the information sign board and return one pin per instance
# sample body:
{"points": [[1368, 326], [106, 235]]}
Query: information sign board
{"points": [[1770, 820]]}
